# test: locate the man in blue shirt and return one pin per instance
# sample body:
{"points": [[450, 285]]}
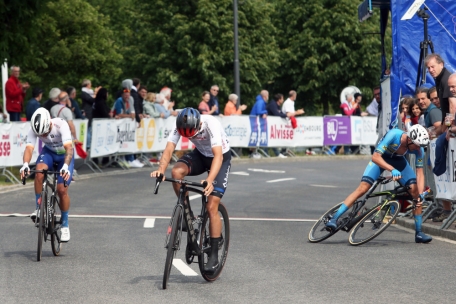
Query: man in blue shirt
{"points": [[34, 103], [213, 100]]}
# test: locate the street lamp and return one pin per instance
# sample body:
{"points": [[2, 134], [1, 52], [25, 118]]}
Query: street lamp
{"points": [[237, 88]]}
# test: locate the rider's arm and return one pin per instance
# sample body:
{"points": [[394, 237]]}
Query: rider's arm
{"points": [[166, 156], [216, 163], [68, 152], [379, 161], [420, 179], [28, 154]]}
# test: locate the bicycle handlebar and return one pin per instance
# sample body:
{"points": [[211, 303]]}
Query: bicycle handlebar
{"points": [[178, 181], [41, 171]]}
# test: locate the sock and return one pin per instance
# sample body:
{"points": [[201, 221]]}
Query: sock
{"points": [[214, 247], [64, 218], [341, 210], [418, 221], [37, 196]]}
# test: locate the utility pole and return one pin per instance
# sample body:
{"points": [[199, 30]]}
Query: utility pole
{"points": [[237, 87]]}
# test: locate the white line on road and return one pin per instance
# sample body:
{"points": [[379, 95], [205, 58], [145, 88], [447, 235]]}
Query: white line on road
{"points": [[149, 223], [281, 180], [323, 186], [163, 217], [265, 171], [183, 268], [240, 173], [192, 197]]}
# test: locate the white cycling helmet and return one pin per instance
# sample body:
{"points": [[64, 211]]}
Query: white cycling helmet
{"points": [[41, 121], [419, 135]]}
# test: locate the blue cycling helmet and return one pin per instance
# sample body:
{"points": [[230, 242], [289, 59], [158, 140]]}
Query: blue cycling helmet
{"points": [[188, 122]]}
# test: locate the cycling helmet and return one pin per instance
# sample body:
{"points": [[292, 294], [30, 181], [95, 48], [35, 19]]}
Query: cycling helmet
{"points": [[188, 122], [419, 135], [41, 121]]}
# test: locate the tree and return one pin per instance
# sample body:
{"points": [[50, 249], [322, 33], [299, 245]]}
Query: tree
{"points": [[324, 49], [188, 46]]}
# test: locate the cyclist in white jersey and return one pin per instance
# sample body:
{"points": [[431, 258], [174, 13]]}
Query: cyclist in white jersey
{"points": [[212, 155], [58, 148]]}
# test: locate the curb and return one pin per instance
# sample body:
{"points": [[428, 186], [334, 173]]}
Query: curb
{"points": [[427, 228]]}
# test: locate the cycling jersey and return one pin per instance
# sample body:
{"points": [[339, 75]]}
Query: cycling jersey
{"points": [[388, 146], [210, 135], [391, 141], [56, 139]]}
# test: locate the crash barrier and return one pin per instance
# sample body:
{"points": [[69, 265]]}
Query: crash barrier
{"points": [[114, 137]]}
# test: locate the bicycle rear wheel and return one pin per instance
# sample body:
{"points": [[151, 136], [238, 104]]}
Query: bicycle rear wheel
{"points": [[205, 244], [319, 232], [55, 234], [41, 218], [172, 243], [374, 223]]}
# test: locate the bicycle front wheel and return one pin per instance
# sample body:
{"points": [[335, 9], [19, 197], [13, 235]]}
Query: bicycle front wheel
{"points": [[223, 244], [172, 243], [41, 218], [55, 234], [319, 232], [374, 223]]}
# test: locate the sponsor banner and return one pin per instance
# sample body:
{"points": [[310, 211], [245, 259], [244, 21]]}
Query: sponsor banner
{"points": [[309, 132], [104, 137], [363, 130], [445, 184], [126, 136], [237, 129], [254, 131], [337, 130], [281, 133]]}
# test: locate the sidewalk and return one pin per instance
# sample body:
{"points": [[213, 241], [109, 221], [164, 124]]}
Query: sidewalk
{"points": [[429, 227]]}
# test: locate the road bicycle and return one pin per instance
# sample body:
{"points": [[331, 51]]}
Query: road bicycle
{"points": [[197, 228], [363, 223], [46, 220]]}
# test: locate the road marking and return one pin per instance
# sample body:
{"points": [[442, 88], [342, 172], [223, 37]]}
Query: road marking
{"points": [[183, 268], [265, 171], [281, 180], [149, 223], [161, 217], [323, 186], [240, 173], [192, 197]]}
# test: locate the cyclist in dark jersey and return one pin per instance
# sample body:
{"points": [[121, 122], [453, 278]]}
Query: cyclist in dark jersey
{"points": [[212, 155], [389, 155]]}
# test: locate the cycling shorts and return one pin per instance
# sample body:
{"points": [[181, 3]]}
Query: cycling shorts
{"points": [[49, 158], [197, 164], [399, 163]]}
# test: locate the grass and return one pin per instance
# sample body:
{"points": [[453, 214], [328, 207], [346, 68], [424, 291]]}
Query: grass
{"points": [[4, 181]]}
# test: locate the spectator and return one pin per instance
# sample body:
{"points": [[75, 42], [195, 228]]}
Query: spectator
{"points": [[436, 68], [432, 115], [404, 109], [213, 100], [416, 115], [142, 91], [259, 108], [288, 106], [124, 108], [137, 101], [203, 107], [60, 110], [34, 103], [349, 107], [149, 106], [434, 97], [100, 106], [273, 109], [15, 94], [452, 85], [159, 106], [73, 103], [88, 98], [230, 107], [53, 99], [168, 104]]}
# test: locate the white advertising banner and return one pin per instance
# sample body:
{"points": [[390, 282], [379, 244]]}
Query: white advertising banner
{"points": [[309, 132], [386, 104], [237, 129], [104, 137], [363, 130], [445, 184]]}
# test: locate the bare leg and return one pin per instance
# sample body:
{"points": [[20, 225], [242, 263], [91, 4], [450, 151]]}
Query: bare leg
{"points": [[215, 224], [360, 191]]}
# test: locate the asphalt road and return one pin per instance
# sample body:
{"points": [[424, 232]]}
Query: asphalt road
{"points": [[112, 258]]}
